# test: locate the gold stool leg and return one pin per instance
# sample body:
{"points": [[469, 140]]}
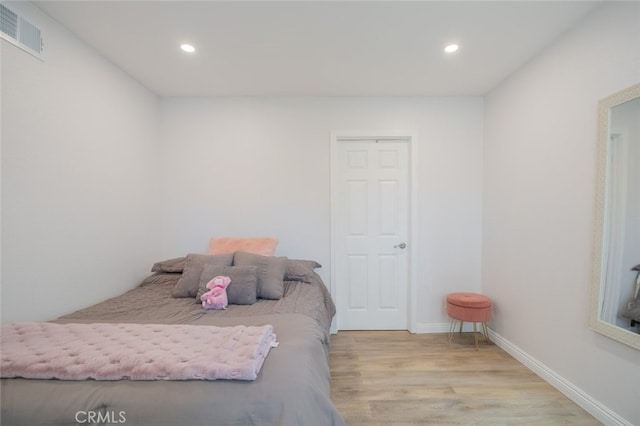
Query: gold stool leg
{"points": [[452, 329], [475, 335]]}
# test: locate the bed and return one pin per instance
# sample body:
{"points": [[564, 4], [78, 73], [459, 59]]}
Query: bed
{"points": [[291, 388]]}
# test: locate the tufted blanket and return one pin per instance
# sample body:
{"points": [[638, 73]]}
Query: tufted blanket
{"points": [[133, 351]]}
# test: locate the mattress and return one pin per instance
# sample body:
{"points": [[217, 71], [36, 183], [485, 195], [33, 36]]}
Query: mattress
{"points": [[292, 388]]}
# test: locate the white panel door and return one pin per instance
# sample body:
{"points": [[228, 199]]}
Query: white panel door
{"points": [[371, 194]]}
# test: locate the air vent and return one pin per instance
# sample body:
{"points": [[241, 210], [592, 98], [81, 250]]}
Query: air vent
{"points": [[8, 23], [20, 32]]}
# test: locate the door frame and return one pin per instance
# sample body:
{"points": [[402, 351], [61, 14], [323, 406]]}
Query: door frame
{"points": [[412, 231]]}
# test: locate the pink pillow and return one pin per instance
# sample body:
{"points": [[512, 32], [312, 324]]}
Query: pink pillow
{"points": [[262, 246]]}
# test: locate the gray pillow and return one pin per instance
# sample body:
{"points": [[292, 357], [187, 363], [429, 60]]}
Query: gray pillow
{"points": [[187, 285], [243, 289], [270, 272], [170, 265], [160, 278], [301, 270]]}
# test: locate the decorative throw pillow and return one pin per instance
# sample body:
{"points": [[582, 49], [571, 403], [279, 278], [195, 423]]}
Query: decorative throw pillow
{"points": [[243, 289], [270, 273], [174, 265], [160, 278], [263, 246], [300, 270], [187, 285]]}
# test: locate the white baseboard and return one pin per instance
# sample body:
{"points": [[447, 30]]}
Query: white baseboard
{"points": [[598, 410]]}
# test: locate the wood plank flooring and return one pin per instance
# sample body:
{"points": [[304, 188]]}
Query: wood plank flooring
{"points": [[398, 378]]}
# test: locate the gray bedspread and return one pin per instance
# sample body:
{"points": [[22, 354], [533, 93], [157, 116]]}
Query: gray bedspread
{"points": [[292, 388]]}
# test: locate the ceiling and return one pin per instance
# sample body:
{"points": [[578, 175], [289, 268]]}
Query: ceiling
{"points": [[318, 48]]}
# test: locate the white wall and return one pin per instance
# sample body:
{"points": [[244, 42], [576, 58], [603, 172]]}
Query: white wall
{"points": [[91, 199], [79, 177], [261, 167], [539, 197]]}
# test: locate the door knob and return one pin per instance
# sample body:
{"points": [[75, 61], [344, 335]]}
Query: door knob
{"points": [[401, 245]]}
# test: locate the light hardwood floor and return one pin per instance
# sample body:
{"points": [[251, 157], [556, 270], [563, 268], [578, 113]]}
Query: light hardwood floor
{"points": [[398, 378]]}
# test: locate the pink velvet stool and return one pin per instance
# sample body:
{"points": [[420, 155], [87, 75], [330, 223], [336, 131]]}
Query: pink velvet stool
{"points": [[469, 307]]}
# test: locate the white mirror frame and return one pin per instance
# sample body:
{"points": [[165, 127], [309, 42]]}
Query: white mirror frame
{"points": [[595, 322]]}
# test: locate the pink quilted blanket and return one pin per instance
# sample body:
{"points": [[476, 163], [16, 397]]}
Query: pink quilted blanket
{"points": [[133, 351]]}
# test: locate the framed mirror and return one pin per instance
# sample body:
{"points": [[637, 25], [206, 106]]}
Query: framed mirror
{"points": [[615, 298]]}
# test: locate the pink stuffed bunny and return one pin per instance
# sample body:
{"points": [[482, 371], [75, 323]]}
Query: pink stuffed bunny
{"points": [[216, 297]]}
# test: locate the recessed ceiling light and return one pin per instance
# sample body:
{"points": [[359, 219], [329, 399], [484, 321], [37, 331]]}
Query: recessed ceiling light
{"points": [[187, 48], [451, 48]]}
